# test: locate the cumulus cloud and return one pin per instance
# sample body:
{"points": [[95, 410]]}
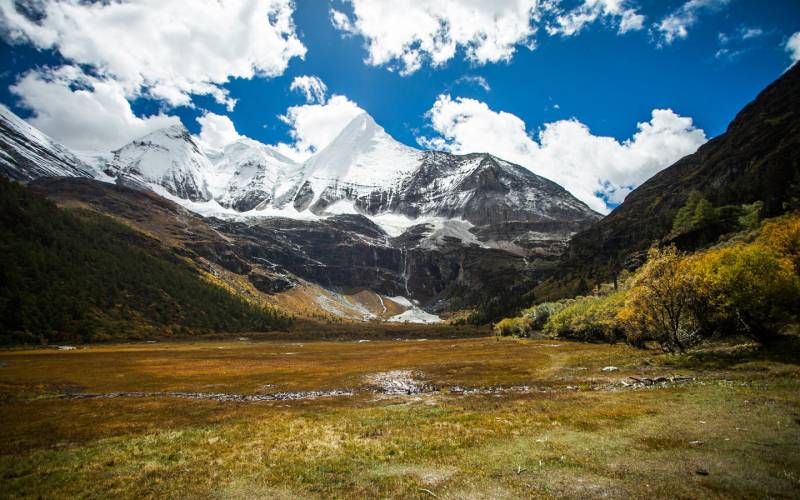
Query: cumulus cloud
{"points": [[83, 112], [618, 12], [676, 25], [595, 169], [168, 50], [405, 34], [793, 47], [216, 130], [312, 87], [314, 126]]}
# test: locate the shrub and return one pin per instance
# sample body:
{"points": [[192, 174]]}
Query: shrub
{"points": [[593, 318], [518, 326], [541, 313]]}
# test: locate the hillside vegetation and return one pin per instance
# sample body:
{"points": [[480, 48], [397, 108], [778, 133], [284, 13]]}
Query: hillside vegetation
{"points": [[76, 275], [747, 286]]}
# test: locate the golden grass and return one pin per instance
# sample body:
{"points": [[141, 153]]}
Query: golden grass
{"points": [[554, 442]]}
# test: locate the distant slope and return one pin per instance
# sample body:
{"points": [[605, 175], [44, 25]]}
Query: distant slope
{"points": [[75, 275], [756, 159]]}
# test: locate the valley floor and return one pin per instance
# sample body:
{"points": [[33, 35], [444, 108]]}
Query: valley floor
{"points": [[446, 418]]}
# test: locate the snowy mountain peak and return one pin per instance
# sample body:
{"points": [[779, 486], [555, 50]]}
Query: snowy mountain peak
{"points": [[247, 174], [361, 135], [26, 153], [363, 158], [247, 146], [168, 158], [167, 137]]}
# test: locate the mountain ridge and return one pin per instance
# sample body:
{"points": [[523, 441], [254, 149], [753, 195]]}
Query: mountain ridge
{"points": [[757, 159]]}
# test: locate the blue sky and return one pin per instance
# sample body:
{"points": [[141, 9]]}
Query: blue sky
{"points": [[603, 79]]}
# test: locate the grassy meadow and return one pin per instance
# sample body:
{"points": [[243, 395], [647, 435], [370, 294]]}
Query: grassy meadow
{"points": [[497, 418]]}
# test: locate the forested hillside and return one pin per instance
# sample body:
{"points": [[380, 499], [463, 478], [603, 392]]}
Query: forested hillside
{"points": [[76, 275]]}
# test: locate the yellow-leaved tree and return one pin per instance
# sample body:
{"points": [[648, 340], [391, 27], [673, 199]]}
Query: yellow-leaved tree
{"points": [[658, 303]]}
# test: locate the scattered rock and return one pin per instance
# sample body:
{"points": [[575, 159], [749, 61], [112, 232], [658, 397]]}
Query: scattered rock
{"points": [[398, 382], [276, 396], [244, 339], [65, 347], [610, 369], [696, 443], [701, 472], [657, 381]]}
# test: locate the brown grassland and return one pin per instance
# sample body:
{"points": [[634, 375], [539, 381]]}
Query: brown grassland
{"points": [[576, 431]]}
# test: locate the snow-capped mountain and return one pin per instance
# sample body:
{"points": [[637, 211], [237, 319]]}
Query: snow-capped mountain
{"points": [[363, 160], [26, 153], [475, 198], [168, 158], [249, 175]]}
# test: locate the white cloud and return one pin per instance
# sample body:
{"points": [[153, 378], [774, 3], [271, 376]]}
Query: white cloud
{"points": [[735, 44], [793, 47], [748, 33], [405, 34], [620, 12], [216, 130], [729, 55], [676, 25], [566, 151], [83, 112], [314, 126], [312, 87], [167, 49], [475, 80]]}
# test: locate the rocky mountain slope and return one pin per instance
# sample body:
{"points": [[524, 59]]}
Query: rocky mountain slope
{"points": [[756, 159]]}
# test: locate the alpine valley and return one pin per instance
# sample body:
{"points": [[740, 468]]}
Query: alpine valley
{"points": [[368, 228]]}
